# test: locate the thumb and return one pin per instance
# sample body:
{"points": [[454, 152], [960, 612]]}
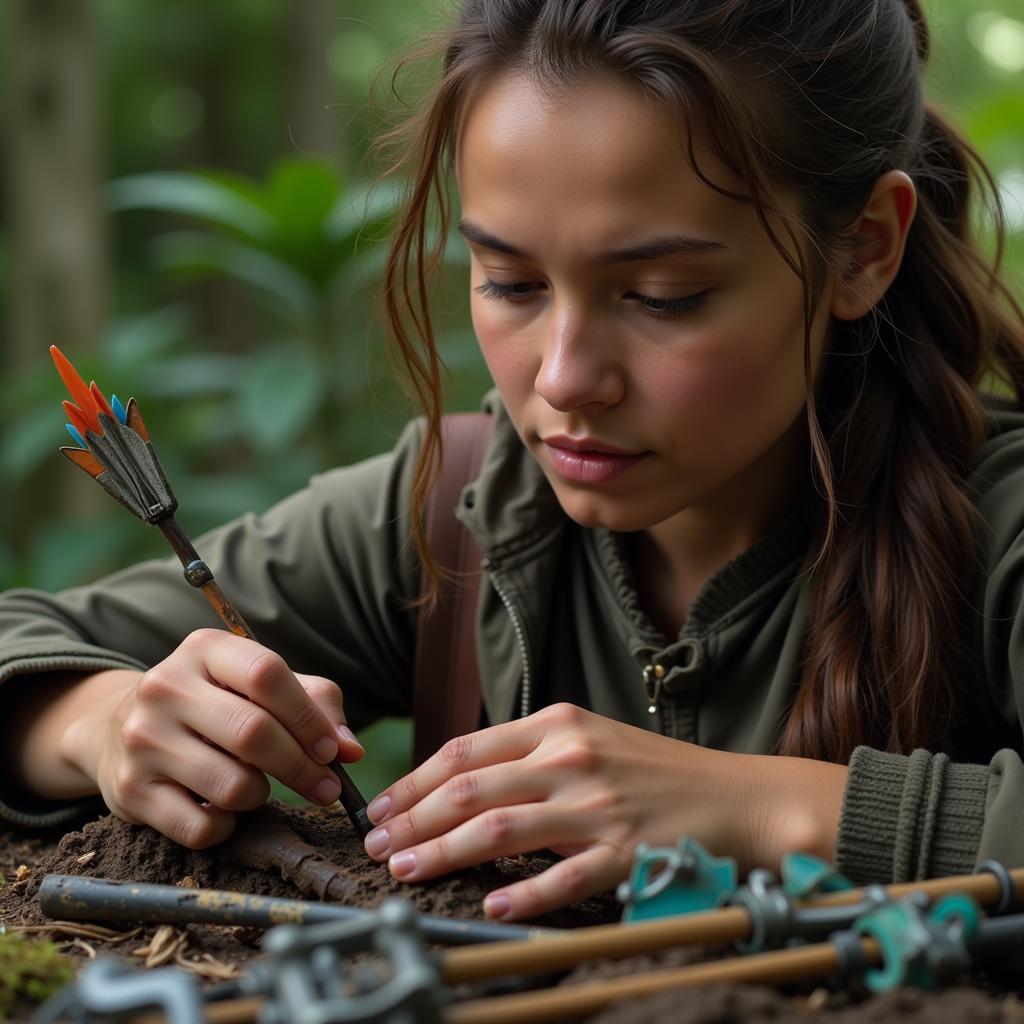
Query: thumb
{"points": [[327, 696]]}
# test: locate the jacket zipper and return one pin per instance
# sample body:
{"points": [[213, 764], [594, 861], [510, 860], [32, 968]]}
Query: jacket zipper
{"points": [[524, 693], [652, 676]]}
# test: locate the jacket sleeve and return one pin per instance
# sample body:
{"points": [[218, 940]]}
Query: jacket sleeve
{"points": [[325, 578], [927, 815]]}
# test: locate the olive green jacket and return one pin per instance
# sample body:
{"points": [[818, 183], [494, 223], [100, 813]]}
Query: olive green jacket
{"points": [[326, 578]]}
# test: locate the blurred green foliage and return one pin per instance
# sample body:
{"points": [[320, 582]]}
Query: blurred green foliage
{"points": [[244, 305]]}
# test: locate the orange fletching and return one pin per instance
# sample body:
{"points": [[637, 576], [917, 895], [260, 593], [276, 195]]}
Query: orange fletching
{"points": [[79, 392], [84, 460], [74, 414], [101, 403]]}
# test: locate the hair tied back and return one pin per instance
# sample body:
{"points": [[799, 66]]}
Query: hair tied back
{"points": [[922, 37]]}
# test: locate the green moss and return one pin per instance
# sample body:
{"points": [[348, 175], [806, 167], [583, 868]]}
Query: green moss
{"points": [[31, 970]]}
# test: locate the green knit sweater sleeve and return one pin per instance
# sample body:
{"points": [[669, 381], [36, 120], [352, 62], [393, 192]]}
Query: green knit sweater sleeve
{"points": [[326, 578], [927, 815]]}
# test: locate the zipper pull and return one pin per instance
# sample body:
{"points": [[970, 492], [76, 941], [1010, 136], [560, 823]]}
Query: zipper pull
{"points": [[653, 675]]}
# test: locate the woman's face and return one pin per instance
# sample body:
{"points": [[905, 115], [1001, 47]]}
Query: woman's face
{"points": [[643, 331]]}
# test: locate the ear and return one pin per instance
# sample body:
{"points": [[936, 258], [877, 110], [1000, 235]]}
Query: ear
{"points": [[879, 237]]}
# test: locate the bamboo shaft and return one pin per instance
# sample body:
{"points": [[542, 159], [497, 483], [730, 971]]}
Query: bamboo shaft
{"points": [[576, 1000], [729, 924], [555, 952]]}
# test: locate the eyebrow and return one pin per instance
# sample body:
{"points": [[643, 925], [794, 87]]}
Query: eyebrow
{"points": [[656, 248]]}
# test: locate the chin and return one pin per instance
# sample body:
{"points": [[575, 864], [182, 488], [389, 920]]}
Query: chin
{"points": [[595, 511]]}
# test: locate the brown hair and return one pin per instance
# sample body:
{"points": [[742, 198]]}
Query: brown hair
{"points": [[896, 416]]}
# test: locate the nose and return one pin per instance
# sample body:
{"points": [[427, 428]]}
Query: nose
{"points": [[579, 364]]}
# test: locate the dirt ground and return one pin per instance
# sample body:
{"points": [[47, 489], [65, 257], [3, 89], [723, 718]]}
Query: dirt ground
{"points": [[110, 848]]}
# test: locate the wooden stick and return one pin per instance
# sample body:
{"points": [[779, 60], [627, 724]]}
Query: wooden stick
{"points": [[573, 1001], [729, 924]]}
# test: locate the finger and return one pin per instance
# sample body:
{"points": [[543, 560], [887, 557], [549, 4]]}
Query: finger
{"points": [[594, 871], [224, 781], [498, 832], [495, 745], [244, 729], [462, 797], [165, 806], [327, 696], [263, 676]]}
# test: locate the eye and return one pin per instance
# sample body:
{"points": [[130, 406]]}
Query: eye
{"points": [[493, 290], [658, 308], [668, 307]]}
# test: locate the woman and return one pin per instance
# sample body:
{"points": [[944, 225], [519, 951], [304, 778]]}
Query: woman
{"points": [[749, 515]]}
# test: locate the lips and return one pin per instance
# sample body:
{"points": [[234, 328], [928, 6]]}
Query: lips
{"points": [[585, 444], [584, 460]]}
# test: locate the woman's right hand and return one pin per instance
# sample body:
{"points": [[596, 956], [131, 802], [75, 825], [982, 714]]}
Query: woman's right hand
{"points": [[207, 722]]}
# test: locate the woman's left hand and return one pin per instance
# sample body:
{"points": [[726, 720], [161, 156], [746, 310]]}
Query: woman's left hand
{"points": [[591, 789]]}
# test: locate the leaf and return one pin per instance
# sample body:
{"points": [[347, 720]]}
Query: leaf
{"points": [[135, 339], [366, 208], [301, 194], [194, 195], [189, 376], [281, 390], [30, 441], [277, 285]]}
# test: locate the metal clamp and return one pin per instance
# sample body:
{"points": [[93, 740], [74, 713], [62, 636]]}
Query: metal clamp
{"points": [[108, 986], [305, 980], [920, 949]]}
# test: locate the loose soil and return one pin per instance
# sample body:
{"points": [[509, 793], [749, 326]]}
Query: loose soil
{"points": [[109, 848]]}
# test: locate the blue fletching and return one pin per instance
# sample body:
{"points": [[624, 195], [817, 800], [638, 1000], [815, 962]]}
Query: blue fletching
{"points": [[115, 404], [75, 433]]}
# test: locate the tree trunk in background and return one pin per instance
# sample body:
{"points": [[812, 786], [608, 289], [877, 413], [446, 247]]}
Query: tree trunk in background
{"points": [[58, 264], [314, 123]]}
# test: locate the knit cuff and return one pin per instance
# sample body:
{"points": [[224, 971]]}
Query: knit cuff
{"points": [[909, 817]]}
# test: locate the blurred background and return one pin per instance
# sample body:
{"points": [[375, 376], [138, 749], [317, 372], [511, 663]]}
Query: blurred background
{"points": [[187, 212]]}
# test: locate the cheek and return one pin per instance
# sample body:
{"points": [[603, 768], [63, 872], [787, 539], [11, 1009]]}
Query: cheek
{"points": [[742, 385], [509, 360]]}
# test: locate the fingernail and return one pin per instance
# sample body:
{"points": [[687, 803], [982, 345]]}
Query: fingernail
{"points": [[402, 864], [377, 842], [497, 905], [348, 735], [327, 790], [378, 809], [325, 749]]}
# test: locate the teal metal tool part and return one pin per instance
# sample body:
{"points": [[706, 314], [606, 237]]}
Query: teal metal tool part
{"points": [[920, 949], [684, 879], [805, 875]]}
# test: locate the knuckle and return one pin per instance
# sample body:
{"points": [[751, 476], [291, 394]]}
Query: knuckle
{"points": [[294, 776], [407, 792], [462, 790], [321, 688], [125, 784], [263, 673], [157, 684], [456, 751], [230, 789], [249, 726], [562, 714], [306, 717], [497, 826], [136, 734], [192, 832], [579, 755], [201, 638], [572, 878]]}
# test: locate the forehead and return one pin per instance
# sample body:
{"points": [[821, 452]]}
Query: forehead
{"points": [[599, 149]]}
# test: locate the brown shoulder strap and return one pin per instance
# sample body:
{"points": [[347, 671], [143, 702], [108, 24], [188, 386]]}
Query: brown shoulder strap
{"points": [[446, 682]]}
